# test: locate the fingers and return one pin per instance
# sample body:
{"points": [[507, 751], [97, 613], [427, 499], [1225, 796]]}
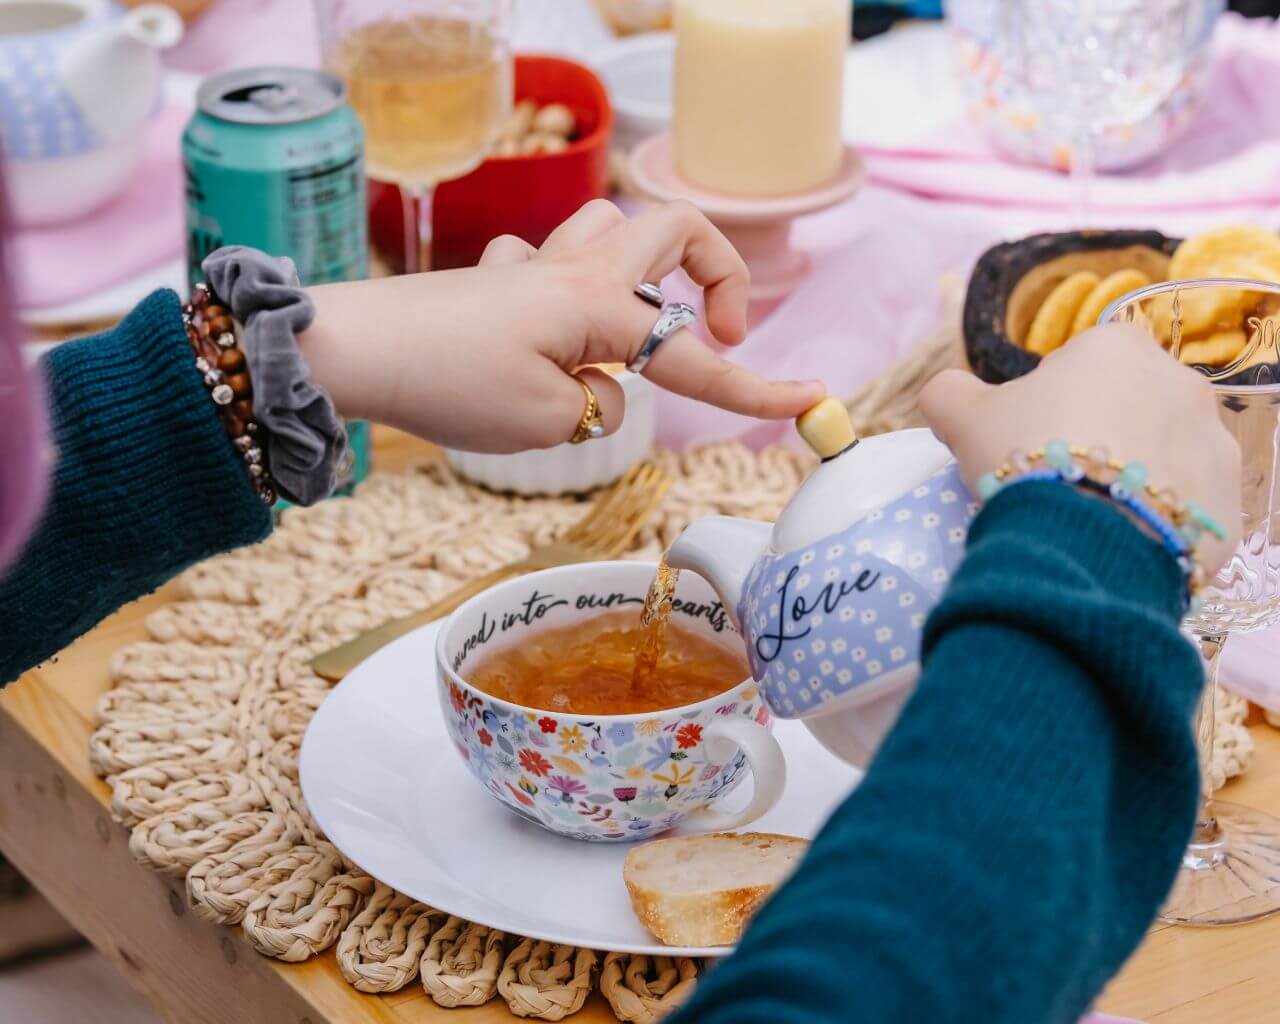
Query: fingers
{"points": [[678, 235], [592, 220], [687, 367], [506, 250], [568, 404], [609, 395], [947, 400]]}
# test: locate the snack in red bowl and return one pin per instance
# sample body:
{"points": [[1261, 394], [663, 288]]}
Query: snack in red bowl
{"points": [[526, 194]]}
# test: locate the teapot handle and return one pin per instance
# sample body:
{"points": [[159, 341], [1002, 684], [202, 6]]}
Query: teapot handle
{"points": [[157, 25], [768, 771]]}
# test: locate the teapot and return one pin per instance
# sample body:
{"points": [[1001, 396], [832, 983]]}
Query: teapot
{"points": [[831, 600], [79, 80]]}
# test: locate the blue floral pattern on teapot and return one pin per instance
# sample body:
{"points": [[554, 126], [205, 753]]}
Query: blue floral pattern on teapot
{"points": [[849, 610]]}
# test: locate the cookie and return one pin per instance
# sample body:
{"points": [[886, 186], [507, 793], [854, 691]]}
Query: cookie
{"points": [[1051, 326]]}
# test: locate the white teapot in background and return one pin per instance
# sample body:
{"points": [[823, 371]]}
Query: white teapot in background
{"points": [[78, 82], [831, 601]]}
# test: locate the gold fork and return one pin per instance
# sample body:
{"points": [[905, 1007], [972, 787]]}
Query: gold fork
{"points": [[603, 533]]}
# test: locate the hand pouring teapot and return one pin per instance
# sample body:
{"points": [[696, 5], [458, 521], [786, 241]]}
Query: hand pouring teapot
{"points": [[831, 601]]}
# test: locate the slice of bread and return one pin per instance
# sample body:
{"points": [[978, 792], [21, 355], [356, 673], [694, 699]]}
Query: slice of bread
{"points": [[702, 890]]}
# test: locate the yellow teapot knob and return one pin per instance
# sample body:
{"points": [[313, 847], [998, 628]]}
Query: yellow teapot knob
{"points": [[826, 428]]}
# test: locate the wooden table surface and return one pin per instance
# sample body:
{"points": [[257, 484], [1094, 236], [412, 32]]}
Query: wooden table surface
{"points": [[56, 827]]}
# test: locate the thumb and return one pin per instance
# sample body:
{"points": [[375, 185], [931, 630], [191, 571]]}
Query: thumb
{"points": [[947, 400]]}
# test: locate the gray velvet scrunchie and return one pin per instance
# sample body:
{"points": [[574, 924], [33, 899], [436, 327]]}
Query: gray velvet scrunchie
{"points": [[306, 439]]}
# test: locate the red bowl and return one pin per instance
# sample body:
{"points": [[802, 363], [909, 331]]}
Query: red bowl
{"points": [[526, 195]]}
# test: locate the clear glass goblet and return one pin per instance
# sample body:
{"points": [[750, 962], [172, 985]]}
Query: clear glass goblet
{"points": [[431, 81], [1231, 871], [1074, 71]]}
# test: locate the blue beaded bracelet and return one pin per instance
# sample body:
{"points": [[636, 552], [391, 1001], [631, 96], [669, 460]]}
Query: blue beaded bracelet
{"points": [[1178, 525]]}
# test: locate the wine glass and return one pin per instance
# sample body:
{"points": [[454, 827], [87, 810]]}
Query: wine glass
{"points": [[1231, 871], [1074, 71], [432, 82]]}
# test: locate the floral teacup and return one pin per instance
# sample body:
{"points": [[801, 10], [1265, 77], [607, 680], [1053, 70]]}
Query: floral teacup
{"points": [[605, 778]]}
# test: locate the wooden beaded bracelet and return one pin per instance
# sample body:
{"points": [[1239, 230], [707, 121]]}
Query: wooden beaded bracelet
{"points": [[1179, 525], [211, 332]]}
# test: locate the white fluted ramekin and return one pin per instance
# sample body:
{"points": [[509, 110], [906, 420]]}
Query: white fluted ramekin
{"points": [[570, 468]]}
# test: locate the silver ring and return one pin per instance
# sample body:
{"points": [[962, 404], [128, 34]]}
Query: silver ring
{"points": [[651, 294], [675, 315]]}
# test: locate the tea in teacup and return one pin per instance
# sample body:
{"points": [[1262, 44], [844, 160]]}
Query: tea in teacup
{"points": [[537, 685], [589, 668]]}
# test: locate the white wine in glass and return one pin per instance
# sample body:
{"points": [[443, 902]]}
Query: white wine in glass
{"points": [[431, 81]]}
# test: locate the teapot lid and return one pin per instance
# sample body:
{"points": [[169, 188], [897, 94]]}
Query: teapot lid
{"points": [[856, 477], [827, 429]]}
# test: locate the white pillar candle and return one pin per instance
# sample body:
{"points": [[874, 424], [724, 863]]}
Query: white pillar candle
{"points": [[759, 85]]}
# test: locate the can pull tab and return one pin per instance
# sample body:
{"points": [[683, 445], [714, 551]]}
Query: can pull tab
{"points": [[827, 429], [273, 98]]}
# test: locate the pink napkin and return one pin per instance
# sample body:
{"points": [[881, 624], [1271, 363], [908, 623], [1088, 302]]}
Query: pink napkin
{"points": [[138, 229], [1229, 156]]}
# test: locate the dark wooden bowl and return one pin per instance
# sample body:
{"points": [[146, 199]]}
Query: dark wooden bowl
{"points": [[1012, 279]]}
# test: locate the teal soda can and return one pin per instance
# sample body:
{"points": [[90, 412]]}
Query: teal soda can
{"points": [[274, 159]]}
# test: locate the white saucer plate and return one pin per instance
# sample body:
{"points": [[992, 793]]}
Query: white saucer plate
{"points": [[383, 781]]}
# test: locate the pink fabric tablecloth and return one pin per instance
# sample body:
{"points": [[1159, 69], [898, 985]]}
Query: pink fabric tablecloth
{"points": [[936, 202], [138, 229]]}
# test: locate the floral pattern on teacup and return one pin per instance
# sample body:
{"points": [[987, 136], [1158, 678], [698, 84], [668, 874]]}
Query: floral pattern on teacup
{"points": [[612, 780], [850, 609]]}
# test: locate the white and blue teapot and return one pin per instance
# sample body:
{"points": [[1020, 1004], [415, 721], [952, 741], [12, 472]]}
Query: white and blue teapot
{"points": [[79, 80], [832, 599]]}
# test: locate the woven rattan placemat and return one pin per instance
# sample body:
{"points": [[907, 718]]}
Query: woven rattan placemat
{"points": [[199, 738]]}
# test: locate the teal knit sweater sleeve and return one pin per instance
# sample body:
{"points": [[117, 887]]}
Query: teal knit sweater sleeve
{"points": [[1016, 834], [146, 483]]}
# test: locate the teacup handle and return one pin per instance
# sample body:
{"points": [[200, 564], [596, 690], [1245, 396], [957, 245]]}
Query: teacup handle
{"points": [[768, 771]]}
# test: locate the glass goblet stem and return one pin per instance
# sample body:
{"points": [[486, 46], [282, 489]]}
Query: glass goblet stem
{"points": [[416, 202], [1207, 838], [1082, 172]]}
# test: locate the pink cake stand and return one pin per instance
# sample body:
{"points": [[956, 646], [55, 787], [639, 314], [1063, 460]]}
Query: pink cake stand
{"points": [[760, 228]]}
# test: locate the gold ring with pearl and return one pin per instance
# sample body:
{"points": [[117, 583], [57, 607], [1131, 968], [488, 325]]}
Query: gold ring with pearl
{"points": [[591, 425]]}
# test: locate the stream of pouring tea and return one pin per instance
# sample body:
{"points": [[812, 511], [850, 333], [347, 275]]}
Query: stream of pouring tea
{"points": [[653, 625]]}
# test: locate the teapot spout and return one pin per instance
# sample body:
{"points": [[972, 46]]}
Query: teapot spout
{"points": [[722, 550], [113, 75]]}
